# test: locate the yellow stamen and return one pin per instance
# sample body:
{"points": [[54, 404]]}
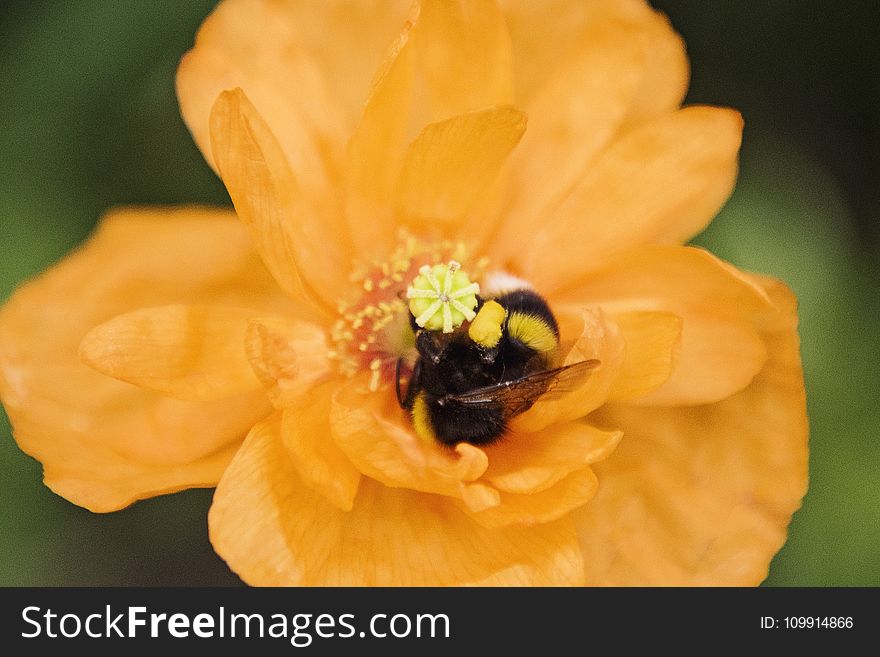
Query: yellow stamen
{"points": [[372, 324]]}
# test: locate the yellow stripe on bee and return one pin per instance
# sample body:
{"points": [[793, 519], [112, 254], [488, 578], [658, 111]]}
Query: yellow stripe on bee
{"points": [[485, 330], [532, 331], [422, 418]]}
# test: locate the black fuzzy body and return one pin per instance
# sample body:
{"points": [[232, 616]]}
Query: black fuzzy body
{"points": [[452, 365]]}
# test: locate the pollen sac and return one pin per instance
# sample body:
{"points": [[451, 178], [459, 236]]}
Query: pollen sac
{"points": [[486, 329], [442, 297]]}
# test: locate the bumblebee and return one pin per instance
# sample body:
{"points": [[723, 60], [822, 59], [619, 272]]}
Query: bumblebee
{"points": [[465, 386]]}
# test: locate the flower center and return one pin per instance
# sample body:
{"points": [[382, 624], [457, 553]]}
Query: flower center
{"points": [[373, 330]]}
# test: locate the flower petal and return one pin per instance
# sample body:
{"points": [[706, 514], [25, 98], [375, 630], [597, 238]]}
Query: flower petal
{"points": [[452, 163], [702, 495], [717, 358], [288, 356], [377, 148], [464, 55], [378, 438], [194, 353], [309, 88], [665, 80], [576, 113], [538, 477], [720, 308], [300, 247], [572, 491], [600, 339], [652, 344], [662, 182], [526, 463], [103, 443], [322, 466], [544, 33], [272, 530]]}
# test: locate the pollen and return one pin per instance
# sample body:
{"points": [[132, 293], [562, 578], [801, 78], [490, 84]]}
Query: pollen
{"points": [[373, 331]]}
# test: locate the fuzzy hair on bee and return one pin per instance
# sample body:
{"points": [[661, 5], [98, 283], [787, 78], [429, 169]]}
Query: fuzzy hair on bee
{"points": [[467, 385]]}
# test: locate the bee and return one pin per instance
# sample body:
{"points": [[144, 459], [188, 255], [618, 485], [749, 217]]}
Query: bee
{"points": [[467, 385]]}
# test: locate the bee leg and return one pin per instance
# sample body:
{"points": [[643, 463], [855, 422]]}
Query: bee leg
{"points": [[412, 387], [429, 346]]}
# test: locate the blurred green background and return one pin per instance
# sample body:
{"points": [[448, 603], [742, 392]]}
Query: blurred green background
{"points": [[88, 120]]}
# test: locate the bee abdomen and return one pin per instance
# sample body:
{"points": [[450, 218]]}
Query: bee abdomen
{"points": [[455, 423], [530, 322]]}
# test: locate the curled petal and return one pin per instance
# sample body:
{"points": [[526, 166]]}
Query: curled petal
{"points": [[528, 479], [378, 438], [300, 246], [722, 312], [288, 356], [538, 477], [652, 341], [322, 466], [272, 530], [660, 183], [194, 353], [104, 443], [513, 509], [309, 90], [702, 495], [526, 463], [717, 357]]}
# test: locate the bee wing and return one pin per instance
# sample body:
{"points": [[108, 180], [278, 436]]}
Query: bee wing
{"points": [[518, 395]]}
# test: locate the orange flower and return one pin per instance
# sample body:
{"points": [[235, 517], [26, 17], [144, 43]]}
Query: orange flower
{"points": [[679, 461]]}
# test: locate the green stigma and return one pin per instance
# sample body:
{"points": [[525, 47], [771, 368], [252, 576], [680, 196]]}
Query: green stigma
{"points": [[442, 297]]}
